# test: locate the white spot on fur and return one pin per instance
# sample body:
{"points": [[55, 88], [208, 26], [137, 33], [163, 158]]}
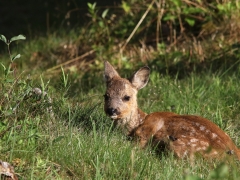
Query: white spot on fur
{"points": [[197, 124], [199, 149], [207, 131], [214, 136], [202, 128], [203, 143], [214, 152], [193, 140], [193, 145]]}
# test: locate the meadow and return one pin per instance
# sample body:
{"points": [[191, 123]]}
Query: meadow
{"points": [[52, 123]]}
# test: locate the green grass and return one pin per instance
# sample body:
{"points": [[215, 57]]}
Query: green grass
{"points": [[79, 142]]}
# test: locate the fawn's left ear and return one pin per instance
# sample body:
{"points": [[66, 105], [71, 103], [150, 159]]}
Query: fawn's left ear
{"points": [[141, 77], [109, 72]]}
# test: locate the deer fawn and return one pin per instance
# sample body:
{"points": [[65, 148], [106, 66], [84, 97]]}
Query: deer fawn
{"points": [[184, 135]]}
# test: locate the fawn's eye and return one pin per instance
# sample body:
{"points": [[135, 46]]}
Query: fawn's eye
{"points": [[126, 98], [106, 97]]}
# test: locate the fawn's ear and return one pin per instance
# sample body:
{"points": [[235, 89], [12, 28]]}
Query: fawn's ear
{"points": [[141, 77], [109, 72]]}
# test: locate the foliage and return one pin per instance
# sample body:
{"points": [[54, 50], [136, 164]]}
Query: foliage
{"points": [[172, 36]]}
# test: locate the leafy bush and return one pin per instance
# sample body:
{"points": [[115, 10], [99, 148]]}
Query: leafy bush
{"points": [[172, 35]]}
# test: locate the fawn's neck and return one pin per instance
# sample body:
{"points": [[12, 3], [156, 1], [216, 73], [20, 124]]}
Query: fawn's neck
{"points": [[135, 120]]}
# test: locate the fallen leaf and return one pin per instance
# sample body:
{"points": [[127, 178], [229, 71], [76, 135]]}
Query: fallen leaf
{"points": [[7, 171]]}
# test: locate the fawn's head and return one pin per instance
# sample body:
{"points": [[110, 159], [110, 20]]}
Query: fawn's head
{"points": [[121, 94]]}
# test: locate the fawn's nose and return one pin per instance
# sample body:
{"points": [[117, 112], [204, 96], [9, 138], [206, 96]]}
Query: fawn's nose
{"points": [[112, 111]]}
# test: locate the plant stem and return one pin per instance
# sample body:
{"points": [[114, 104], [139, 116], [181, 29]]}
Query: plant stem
{"points": [[9, 52]]}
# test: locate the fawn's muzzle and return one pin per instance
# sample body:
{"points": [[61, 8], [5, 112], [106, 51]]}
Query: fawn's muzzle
{"points": [[112, 112]]}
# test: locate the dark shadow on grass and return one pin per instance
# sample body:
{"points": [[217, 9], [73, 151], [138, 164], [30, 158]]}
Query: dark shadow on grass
{"points": [[226, 66]]}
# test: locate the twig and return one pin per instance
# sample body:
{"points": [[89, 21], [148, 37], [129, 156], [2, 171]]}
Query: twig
{"points": [[72, 60], [137, 26], [159, 17], [196, 5]]}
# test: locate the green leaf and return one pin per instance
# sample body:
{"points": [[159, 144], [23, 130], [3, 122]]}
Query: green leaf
{"points": [[92, 6], [104, 14], [19, 37], [191, 22], [4, 68], [6, 71], [169, 17], [192, 10], [177, 3], [101, 24], [89, 5], [3, 38], [126, 7], [16, 57]]}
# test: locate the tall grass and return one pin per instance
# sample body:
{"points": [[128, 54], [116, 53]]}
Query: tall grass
{"points": [[79, 142]]}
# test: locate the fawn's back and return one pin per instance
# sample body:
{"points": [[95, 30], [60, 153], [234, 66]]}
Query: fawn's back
{"points": [[186, 135]]}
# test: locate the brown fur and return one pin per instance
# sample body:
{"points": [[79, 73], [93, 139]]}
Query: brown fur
{"points": [[185, 135]]}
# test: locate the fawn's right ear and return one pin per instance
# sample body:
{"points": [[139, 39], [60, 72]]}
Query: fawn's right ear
{"points": [[141, 77], [109, 72]]}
